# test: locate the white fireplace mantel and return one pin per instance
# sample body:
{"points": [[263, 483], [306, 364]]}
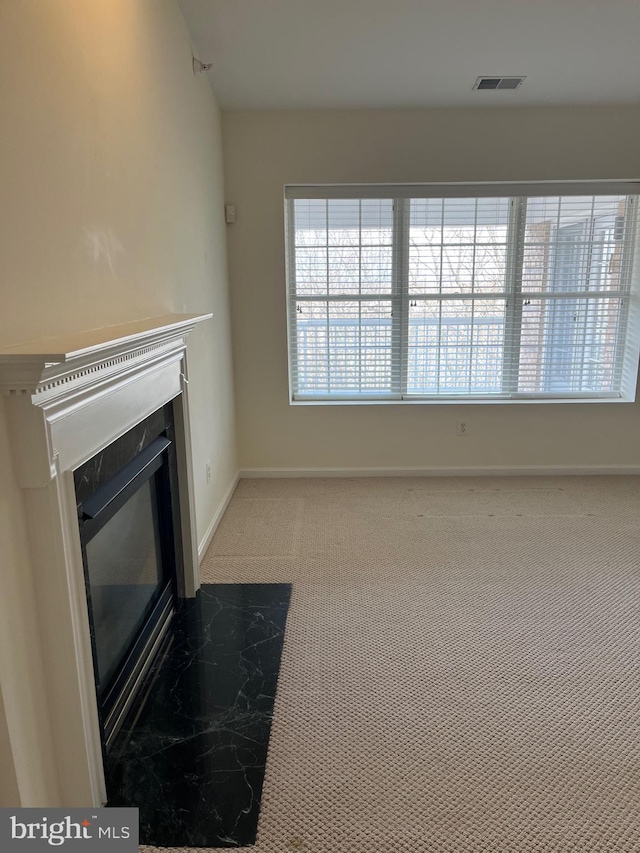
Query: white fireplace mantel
{"points": [[41, 366], [67, 399]]}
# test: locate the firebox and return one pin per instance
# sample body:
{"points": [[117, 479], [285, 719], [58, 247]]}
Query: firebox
{"points": [[128, 512]]}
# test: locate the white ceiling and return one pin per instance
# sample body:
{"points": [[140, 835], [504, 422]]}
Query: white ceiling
{"points": [[309, 54]]}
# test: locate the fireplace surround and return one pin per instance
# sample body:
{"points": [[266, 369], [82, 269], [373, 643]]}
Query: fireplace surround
{"points": [[67, 400]]}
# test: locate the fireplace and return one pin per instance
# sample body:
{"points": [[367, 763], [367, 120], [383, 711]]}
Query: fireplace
{"points": [[128, 515], [100, 430]]}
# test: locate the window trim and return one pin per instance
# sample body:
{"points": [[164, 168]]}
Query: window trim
{"points": [[471, 189], [518, 194]]}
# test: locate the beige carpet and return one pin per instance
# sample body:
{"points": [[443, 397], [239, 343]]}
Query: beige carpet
{"points": [[462, 662]]}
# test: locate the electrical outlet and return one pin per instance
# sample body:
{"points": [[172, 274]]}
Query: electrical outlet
{"points": [[208, 470], [462, 428]]}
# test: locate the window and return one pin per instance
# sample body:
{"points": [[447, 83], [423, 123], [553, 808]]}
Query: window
{"points": [[448, 293]]}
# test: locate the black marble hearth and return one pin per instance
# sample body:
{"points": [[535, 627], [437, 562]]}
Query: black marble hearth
{"points": [[193, 757]]}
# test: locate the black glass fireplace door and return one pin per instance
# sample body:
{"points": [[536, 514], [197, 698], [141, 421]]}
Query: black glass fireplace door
{"points": [[129, 560]]}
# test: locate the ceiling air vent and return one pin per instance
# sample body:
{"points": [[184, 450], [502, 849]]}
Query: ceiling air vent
{"points": [[499, 82]]}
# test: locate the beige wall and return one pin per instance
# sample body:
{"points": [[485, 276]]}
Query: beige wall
{"points": [[111, 196], [263, 151], [9, 794]]}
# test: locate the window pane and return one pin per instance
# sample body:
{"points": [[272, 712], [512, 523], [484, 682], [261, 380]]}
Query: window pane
{"points": [[343, 222], [575, 244], [311, 271], [425, 267], [355, 222], [344, 269], [310, 222], [455, 346], [570, 346], [376, 222], [344, 347], [376, 266], [343, 247], [458, 245]]}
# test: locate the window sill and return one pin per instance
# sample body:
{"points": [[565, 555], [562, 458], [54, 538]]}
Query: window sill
{"points": [[468, 401]]}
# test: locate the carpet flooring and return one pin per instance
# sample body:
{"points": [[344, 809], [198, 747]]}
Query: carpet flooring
{"points": [[461, 670]]}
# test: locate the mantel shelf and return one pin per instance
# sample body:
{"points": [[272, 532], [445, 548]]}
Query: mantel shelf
{"points": [[64, 349], [39, 366]]}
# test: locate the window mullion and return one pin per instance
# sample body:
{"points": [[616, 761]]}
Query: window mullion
{"points": [[292, 305], [513, 286], [400, 301]]}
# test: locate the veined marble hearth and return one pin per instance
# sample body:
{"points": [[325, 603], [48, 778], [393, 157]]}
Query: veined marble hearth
{"points": [[69, 398]]}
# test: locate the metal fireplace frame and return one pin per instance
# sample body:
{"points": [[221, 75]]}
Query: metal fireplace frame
{"points": [[68, 400], [154, 464]]}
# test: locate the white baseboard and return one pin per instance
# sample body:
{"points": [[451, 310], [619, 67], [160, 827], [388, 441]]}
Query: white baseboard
{"points": [[215, 521], [474, 471]]}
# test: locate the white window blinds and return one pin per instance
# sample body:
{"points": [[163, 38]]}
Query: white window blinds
{"points": [[413, 296]]}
